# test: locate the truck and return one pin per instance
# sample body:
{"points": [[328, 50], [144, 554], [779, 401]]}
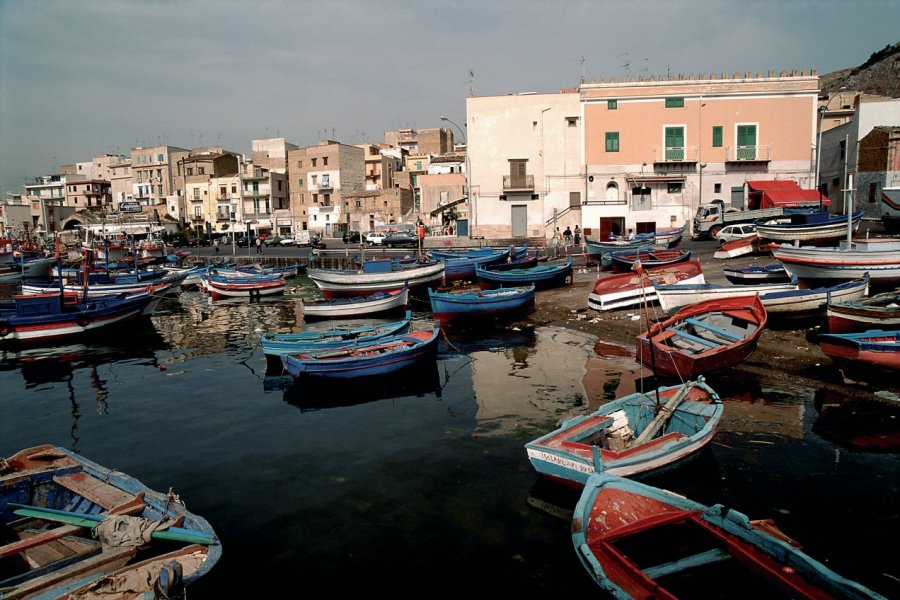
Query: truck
{"points": [[712, 217]]}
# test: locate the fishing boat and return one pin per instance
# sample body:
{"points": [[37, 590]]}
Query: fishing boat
{"points": [[755, 274], [543, 276], [639, 541], [622, 262], [881, 311], [463, 268], [380, 357], [377, 276], [279, 344], [355, 306], [523, 262], [287, 271], [453, 306], [249, 286], [809, 228], [813, 301], [673, 297], [75, 529], [871, 348], [638, 434], [739, 247], [889, 208], [633, 289], [599, 251], [671, 236], [53, 316], [880, 257], [703, 338]]}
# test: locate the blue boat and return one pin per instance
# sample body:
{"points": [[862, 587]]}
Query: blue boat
{"points": [[544, 276], [451, 306], [279, 344], [75, 529], [380, 357], [458, 268]]}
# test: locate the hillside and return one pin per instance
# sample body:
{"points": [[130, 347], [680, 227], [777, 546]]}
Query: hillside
{"points": [[879, 75]]}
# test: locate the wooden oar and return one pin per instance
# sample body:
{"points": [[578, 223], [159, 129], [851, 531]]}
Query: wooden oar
{"points": [[178, 534]]}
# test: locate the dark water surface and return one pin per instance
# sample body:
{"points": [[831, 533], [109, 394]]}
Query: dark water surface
{"points": [[396, 485]]}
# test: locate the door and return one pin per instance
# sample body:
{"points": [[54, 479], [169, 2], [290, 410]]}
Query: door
{"points": [[674, 144], [746, 142], [519, 220]]}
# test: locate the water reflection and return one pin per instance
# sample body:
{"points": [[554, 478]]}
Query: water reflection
{"points": [[869, 424]]}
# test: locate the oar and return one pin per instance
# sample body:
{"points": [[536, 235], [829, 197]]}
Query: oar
{"points": [[178, 534]]}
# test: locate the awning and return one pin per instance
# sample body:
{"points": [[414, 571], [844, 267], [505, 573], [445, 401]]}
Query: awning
{"points": [[444, 207], [788, 199], [644, 179]]}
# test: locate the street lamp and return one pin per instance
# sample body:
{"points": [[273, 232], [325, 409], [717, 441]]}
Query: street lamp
{"points": [[468, 178]]}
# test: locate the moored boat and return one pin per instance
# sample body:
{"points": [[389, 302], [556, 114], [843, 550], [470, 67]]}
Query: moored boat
{"points": [[638, 434], [377, 275], [355, 306], [455, 306], [881, 311], [755, 274], [74, 529], [704, 337], [248, 286], [639, 541], [633, 289], [279, 344], [543, 276]]}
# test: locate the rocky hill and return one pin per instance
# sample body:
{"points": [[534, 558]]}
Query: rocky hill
{"points": [[879, 75]]}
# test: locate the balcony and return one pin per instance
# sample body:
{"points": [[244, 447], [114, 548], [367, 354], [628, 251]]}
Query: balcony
{"points": [[223, 217], [746, 154], [197, 218], [326, 208], [518, 184], [675, 155]]}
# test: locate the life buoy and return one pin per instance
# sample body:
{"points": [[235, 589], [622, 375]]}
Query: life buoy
{"points": [[5, 329], [82, 321]]}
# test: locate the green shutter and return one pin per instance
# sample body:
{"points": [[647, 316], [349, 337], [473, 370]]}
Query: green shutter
{"points": [[612, 141], [674, 144], [612, 104], [746, 142], [674, 102], [717, 136]]}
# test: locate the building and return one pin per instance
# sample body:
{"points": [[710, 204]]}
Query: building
{"points": [[320, 176], [640, 154], [443, 188], [153, 171], [210, 186]]}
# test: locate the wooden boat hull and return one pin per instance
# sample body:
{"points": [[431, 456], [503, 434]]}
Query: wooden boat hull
{"points": [[448, 306], [52, 484], [754, 274], [622, 262], [232, 287], [567, 454], [813, 301], [739, 247], [335, 283], [673, 297], [638, 541], [834, 228], [875, 347], [48, 320], [632, 289], [279, 344], [543, 276], [881, 311], [702, 338], [383, 357], [880, 257], [355, 306]]}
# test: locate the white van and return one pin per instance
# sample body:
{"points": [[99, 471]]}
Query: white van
{"points": [[302, 238]]}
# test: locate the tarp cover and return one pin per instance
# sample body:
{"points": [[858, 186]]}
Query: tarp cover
{"points": [[785, 193]]}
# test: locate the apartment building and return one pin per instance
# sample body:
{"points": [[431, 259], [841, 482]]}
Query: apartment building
{"points": [[379, 168], [639, 154], [152, 173], [319, 178], [209, 180], [90, 194], [264, 204], [271, 154], [444, 187], [378, 209]]}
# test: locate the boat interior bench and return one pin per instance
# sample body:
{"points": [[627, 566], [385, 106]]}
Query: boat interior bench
{"points": [[92, 490], [693, 338], [717, 330]]}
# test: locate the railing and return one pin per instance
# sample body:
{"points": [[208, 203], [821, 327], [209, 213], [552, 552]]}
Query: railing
{"points": [[223, 217], [748, 153], [326, 208], [511, 183], [676, 154], [326, 185], [197, 218]]}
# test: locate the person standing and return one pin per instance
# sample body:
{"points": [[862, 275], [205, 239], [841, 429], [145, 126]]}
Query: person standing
{"points": [[259, 246], [577, 236], [554, 243], [567, 235]]}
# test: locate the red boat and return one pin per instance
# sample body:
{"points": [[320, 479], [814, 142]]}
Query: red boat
{"points": [[881, 311], [622, 262], [633, 289], [703, 338]]}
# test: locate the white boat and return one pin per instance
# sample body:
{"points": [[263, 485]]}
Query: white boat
{"points": [[890, 208], [814, 300], [879, 257], [633, 289], [375, 276], [354, 306], [808, 227], [673, 297]]}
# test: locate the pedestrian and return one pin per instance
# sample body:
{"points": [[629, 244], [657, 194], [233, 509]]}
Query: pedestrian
{"points": [[567, 235], [554, 243], [577, 236], [216, 244], [631, 234], [259, 249]]}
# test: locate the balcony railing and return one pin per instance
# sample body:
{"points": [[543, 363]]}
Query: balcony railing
{"points": [[676, 154], [197, 218], [512, 184], [326, 185], [326, 208], [748, 153], [223, 217]]}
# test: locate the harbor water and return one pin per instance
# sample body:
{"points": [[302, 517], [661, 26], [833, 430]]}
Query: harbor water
{"points": [[421, 483]]}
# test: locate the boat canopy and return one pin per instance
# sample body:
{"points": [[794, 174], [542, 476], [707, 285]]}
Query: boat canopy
{"points": [[783, 193]]}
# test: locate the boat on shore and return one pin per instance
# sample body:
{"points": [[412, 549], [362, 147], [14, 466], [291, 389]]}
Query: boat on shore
{"points": [[638, 434], [881, 311], [375, 276], [633, 289], [639, 541], [543, 276], [623, 262], [356, 306], [809, 228], [675, 296], [74, 529], [880, 257], [756, 274], [703, 338], [871, 348]]}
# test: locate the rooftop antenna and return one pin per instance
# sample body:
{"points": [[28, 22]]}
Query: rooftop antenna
{"points": [[582, 61], [626, 66], [471, 82], [645, 70]]}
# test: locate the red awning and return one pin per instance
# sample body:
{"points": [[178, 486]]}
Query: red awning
{"points": [[798, 197], [773, 184]]}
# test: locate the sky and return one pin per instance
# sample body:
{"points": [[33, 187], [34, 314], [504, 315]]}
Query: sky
{"points": [[80, 78]]}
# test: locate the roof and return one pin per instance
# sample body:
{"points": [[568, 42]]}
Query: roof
{"points": [[798, 197], [774, 184]]}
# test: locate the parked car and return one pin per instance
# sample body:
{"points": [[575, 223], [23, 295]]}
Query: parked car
{"points": [[374, 238], [730, 233], [287, 240], [351, 237], [398, 239]]}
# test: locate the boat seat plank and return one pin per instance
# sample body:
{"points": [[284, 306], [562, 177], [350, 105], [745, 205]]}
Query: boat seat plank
{"points": [[93, 489], [689, 562], [693, 338], [717, 330], [103, 562]]}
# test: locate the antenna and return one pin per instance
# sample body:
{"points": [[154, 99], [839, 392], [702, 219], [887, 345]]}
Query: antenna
{"points": [[582, 61], [471, 82], [627, 65]]}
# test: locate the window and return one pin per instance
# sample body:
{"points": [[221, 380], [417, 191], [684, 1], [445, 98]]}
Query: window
{"points": [[572, 121], [313, 162], [196, 193], [843, 146], [746, 142], [324, 161], [873, 192], [233, 189], [159, 191], [314, 179], [674, 102], [612, 104], [159, 158], [674, 143], [279, 185], [299, 164], [612, 141], [201, 170], [223, 191], [717, 188], [717, 136], [326, 199], [190, 170], [574, 199], [675, 187], [315, 198], [300, 181], [359, 204]]}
